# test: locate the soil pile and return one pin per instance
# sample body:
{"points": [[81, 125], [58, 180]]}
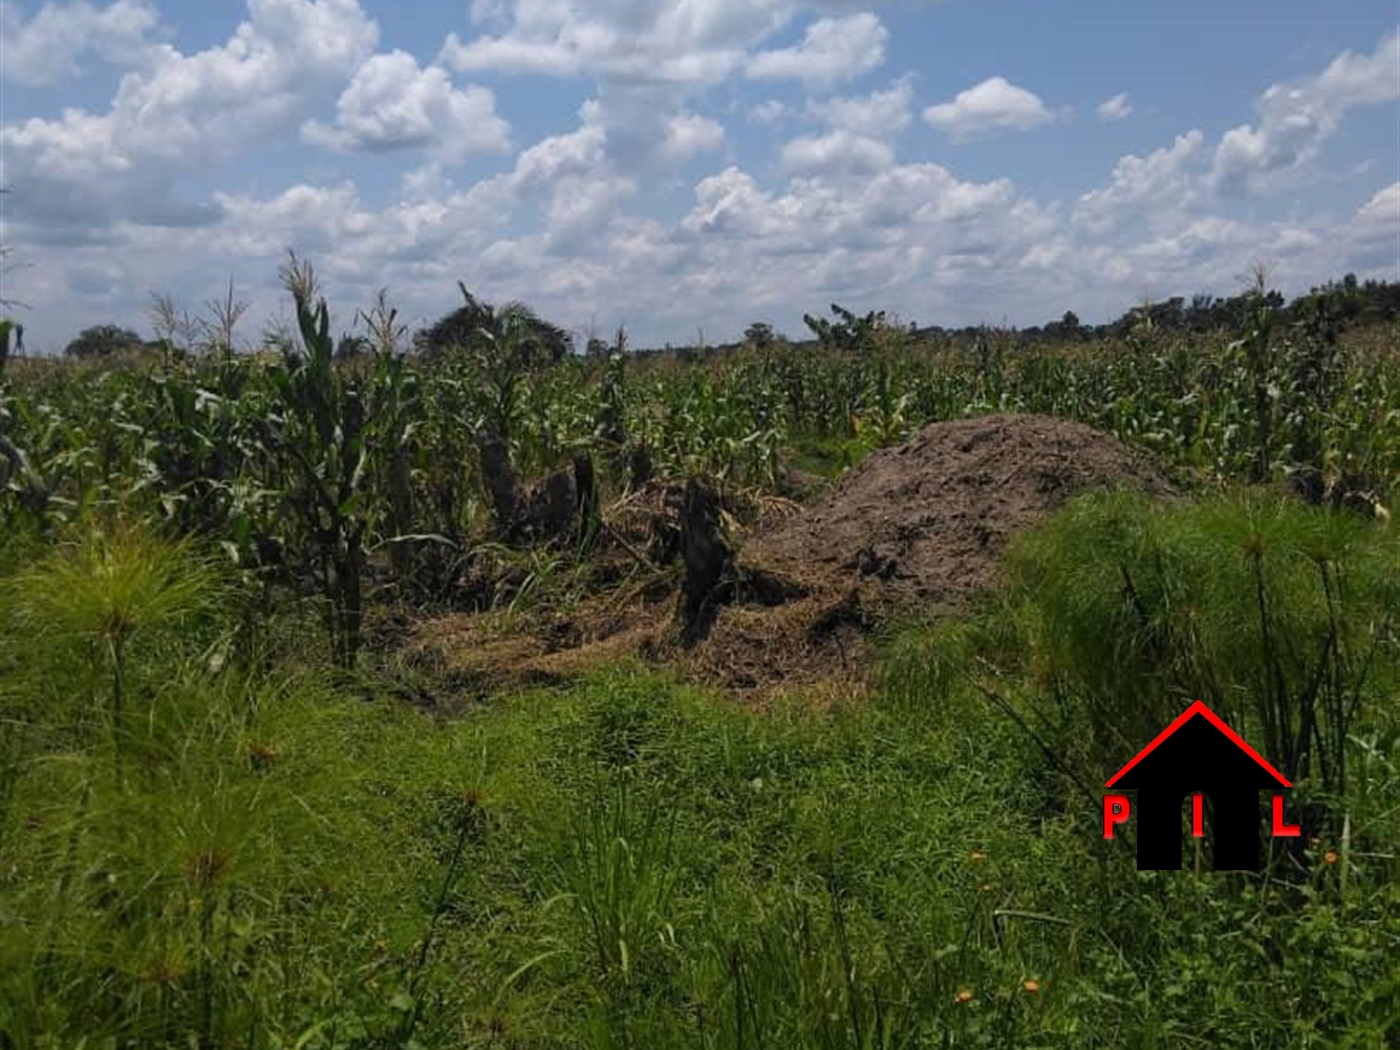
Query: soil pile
{"points": [[913, 531], [919, 527]]}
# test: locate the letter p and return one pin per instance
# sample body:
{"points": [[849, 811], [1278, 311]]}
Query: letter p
{"points": [[1115, 811]]}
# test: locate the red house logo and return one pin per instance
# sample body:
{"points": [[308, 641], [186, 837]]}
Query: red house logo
{"points": [[1199, 755]]}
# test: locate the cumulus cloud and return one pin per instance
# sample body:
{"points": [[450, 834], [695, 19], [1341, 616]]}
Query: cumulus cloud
{"points": [[688, 134], [1161, 184], [578, 222], [832, 49], [1115, 108], [582, 209], [911, 237], [728, 203], [1383, 210], [769, 111], [1295, 119], [680, 42], [391, 104], [573, 153], [839, 152], [878, 115], [1375, 229], [673, 41], [186, 111], [993, 105], [48, 46]]}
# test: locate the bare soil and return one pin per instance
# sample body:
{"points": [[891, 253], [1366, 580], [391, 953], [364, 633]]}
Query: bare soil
{"points": [[919, 527]]}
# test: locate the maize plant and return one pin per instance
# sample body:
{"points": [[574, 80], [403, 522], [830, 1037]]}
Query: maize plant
{"points": [[322, 435], [305, 468]]}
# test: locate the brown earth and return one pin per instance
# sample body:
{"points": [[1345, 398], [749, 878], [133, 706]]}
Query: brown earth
{"points": [[912, 531], [919, 527]]}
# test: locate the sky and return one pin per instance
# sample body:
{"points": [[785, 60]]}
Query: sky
{"points": [[687, 167]]}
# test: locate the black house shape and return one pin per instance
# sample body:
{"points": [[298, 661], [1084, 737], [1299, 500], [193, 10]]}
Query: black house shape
{"points": [[1198, 752]]}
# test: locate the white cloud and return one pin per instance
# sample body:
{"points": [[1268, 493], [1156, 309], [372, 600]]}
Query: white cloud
{"points": [[573, 153], [728, 203], [1383, 210], [993, 105], [1115, 108], [878, 115], [392, 104], [577, 225], [832, 49], [426, 182], [769, 111], [48, 46], [673, 41], [688, 134], [1295, 119], [914, 237], [507, 55], [186, 112], [1161, 184], [1376, 231], [581, 210], [838, 152]]}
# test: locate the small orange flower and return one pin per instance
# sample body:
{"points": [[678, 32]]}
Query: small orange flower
{"points": [[1330, 856], [1032, 986], [978, 856], [964, 995]]}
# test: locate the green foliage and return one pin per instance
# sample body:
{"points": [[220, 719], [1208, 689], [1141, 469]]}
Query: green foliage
{"points": [[542, 343], [324, 436], [102, 340], [855, 880], [632, 863], [848, 333], [629, 863], [94, 603], [1280, 616]]}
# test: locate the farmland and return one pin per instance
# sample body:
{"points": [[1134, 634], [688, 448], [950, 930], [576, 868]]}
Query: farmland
{"points": [[395, 692]]}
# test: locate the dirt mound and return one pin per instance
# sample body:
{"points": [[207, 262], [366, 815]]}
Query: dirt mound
{"points": [[919, 527], [912, 531]]}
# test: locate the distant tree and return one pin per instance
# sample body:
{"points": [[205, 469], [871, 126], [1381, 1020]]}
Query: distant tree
{"points": [[1070, 322], [351, 347], [540, 341], [759, 335], [848, 333], [102, 340]]}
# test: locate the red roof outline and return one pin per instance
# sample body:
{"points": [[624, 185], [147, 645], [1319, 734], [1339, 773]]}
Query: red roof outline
{"points": [[1199, 708]]}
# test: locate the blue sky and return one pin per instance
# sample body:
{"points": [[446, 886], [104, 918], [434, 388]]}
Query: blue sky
{"points": [[684, 164]]}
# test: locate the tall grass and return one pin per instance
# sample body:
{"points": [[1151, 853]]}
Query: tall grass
{"points": [[627, 862]]}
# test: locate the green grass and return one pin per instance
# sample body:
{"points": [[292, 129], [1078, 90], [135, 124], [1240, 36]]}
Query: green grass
{"points": [[631, 862]]}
